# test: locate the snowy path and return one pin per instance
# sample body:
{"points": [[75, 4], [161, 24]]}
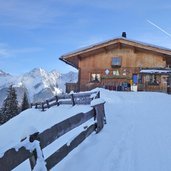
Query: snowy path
{"points": [[152, 139], [137, 136]]}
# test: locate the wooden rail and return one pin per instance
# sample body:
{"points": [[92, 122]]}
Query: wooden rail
{"points": [[12, 158], [67, 99]]}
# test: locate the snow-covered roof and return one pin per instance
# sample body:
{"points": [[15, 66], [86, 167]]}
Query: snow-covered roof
{"points": [[111, 40], [155, 71], [159, 49]]}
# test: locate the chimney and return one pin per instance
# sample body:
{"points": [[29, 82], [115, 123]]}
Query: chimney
{"points": [[124, 34]]}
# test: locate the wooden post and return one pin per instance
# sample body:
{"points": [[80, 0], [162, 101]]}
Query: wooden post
{"points": [[43, 109], [47, 102], [100, 116], [36, 106], [98, 94], [72, 99], [57, 103], [33, 158]]}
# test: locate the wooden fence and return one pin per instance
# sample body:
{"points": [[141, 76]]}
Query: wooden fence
{"points": [[12, 158], [72, 99]]}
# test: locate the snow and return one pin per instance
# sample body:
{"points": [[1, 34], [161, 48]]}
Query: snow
{"points": [[111, 41], [32, 120], [153, 71], [38, 80], [28, 131], [137, 136], [31, 146], [95, 102]]}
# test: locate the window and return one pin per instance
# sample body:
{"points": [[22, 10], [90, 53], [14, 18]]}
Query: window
{"points": [[116, 73], [116, 61], [140, 79], [153, 79], [95, 77]]}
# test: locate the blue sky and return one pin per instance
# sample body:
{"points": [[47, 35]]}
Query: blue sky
{"points": [[35, 33]]}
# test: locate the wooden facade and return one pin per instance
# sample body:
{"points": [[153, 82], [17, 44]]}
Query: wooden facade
{"points": [[116, 64], [72, 87]]}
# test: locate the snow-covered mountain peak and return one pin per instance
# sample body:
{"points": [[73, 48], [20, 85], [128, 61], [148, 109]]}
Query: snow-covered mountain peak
{"points": [[55, 73], [70, 76], [37, 72], [2, 73], [39, 83]]}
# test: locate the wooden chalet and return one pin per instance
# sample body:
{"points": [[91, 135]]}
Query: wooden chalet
{"points": [[121, 64]]}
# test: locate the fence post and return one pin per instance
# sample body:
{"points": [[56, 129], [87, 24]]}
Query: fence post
{"points": [[47, 102], [57, 100], [72, 99], [100, 116], [43, 109], [98, 94], [34, 157]]}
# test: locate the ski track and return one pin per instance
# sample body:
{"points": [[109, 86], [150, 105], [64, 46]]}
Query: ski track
{"points": [[121, 155]]}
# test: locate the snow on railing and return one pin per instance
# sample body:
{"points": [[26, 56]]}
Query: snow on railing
{"points": [[67, 99], [31, 146]]}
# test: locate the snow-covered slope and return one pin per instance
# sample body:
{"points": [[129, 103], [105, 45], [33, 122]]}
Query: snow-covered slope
{"points": [[38, 83], [137, 136]]}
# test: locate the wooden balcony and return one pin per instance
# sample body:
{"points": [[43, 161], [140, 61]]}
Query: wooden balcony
{"points": [[153, 88]]}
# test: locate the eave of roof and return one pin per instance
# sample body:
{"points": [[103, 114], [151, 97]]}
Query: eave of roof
{"points": [[87, 48], [67, 62], [90, 48]]}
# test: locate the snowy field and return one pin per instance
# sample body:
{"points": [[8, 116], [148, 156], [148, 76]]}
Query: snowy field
{"points": [[137, 136]]}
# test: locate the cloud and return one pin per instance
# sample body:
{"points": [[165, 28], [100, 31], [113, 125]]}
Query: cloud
{"points": [[108, 4], [124, 4], [37, 13], [3, 50], [26, 50], [8, 52], [29, 14], [3, 53]]}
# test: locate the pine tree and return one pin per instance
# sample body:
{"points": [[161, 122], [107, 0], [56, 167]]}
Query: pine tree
{"points": [[1, 117], [25, 104], [10, 105]]}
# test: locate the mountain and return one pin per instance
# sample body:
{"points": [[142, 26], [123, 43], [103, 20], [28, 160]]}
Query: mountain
{"points": [[38, 83], [2, 73]]}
